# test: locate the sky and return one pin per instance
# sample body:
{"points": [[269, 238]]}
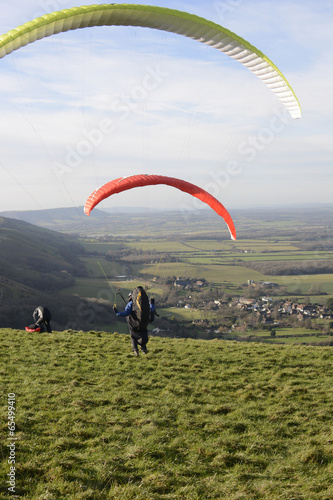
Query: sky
{"points": [[203, 118]]}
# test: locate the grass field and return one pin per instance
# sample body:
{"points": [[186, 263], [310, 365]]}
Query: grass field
{"points": [[220, 262], [271, 247], [213, 273], [99, 266], [267, 240], [191, 420], [104, 288]]}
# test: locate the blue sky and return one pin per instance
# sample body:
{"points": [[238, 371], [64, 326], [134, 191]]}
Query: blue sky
{"points": [[77, 112]]}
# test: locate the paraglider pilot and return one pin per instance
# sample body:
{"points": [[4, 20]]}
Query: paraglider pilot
{"points": [[153, 311], [138, 330]]}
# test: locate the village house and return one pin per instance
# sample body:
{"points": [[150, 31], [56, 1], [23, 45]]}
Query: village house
{"points": [[182, 283]]}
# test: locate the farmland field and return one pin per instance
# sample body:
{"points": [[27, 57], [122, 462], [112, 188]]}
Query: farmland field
{"points": [[226, 260], [297, 262]]}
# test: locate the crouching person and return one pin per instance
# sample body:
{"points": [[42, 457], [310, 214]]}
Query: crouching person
{"points": [[42, 320]]}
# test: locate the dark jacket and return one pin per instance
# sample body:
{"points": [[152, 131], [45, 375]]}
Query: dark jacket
{"points": [[42, 317], [131, 318]]}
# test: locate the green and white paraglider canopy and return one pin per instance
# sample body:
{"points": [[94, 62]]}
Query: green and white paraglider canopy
{"points": [[160, 18]]}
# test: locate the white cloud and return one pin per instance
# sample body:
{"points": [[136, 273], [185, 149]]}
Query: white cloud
{"points": [[192, 120]]}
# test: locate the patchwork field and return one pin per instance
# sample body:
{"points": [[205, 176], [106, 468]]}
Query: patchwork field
{"points": [[291, 250], [220, 263]]}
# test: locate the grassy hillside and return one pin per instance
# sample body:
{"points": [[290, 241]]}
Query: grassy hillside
{"points": [[191, 420], [38, 258], [36, 263]]}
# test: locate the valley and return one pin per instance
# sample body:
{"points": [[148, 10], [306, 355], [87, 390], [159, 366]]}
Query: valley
{"points": [[206, 285]]}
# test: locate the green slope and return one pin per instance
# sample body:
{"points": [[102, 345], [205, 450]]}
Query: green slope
{"points": [[191, 420], [38, 258]]}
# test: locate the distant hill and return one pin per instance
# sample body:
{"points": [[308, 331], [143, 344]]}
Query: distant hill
{"points": [[73, 219], [57, 219], [115, 221], [133, 220], [46, 215]]}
